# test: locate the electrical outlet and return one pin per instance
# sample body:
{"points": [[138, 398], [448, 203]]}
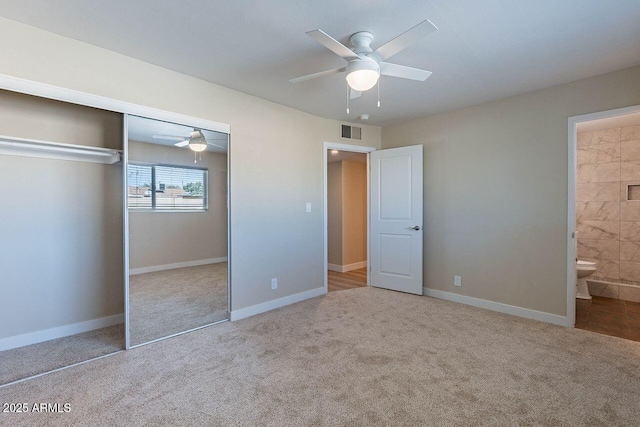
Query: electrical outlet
{"points": [[274, 283], [308, 207], [457, 280]]}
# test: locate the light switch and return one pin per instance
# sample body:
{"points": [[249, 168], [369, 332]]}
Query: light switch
{"points": [[308, 206]]}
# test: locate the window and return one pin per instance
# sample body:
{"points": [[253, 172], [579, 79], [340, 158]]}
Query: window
{"points": [[166, 188]]}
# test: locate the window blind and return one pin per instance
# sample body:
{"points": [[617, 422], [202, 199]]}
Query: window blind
{"points": [[175, 187], [139, 183]]}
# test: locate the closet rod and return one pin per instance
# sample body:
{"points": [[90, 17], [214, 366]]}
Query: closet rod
{"points": [[15, 146]]}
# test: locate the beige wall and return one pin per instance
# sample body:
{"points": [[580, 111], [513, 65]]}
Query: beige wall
{"points": [[160, 238], [272, 235], [347, 212], [60, 221], [495, 190], [607, 223], [334, 213], [354, 212]]}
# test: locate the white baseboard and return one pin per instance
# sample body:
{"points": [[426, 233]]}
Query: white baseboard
{"points": [[500, 307], [59, 332], [151, 269], [346, 267], [276, 303], [334, 267]]}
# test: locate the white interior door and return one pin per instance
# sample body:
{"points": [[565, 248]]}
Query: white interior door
{"points": [[396, 219]]}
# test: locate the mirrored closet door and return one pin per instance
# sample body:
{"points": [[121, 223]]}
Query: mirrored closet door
{"points": [[177, 228]]}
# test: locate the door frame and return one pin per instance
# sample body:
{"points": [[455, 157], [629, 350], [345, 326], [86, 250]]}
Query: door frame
{"points": [[354, 149], [571, 202]]}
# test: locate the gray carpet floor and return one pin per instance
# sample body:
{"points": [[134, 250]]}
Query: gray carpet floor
{"points": [[162, 303], [166, 302], [34, 359], [356, 357]]}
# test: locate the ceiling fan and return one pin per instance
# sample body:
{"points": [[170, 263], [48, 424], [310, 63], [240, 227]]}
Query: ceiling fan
{"points": [[365, 65], [196, 140]]}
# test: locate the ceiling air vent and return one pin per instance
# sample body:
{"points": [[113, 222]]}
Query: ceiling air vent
{"points": [[351, 132]]}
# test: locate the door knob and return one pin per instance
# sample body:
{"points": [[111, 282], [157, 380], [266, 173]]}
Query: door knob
{"points": [[415, 227]]}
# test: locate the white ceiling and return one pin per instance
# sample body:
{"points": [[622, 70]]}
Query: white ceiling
{"points": [[484, 50], [165, 133], [610, 122]]}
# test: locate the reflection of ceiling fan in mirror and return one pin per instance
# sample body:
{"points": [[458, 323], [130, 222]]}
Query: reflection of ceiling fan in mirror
{"points": [[196, 141]]}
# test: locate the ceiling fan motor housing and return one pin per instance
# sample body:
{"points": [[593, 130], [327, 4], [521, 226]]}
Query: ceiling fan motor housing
{"points": [[197, 141], [362, 73], [361, 42], [365, 63]]}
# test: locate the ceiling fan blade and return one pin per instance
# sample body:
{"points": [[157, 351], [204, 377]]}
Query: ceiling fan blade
{"points": [[353, 94], [333, 45], [216, 145], [316, 75], [403, 41], [182, 144], [395, 70], [169, 137]]}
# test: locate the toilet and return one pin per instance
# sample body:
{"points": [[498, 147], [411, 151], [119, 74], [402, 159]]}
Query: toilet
{"points": [[584, 270]]}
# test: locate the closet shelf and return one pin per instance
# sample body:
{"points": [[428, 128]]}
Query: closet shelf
{"points": [[14, 146]]}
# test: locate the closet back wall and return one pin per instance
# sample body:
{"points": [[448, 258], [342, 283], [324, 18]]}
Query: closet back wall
{"points": [[61, 257]]}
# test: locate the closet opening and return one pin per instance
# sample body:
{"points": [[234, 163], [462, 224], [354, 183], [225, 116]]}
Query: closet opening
{"points": [[61, 226]]}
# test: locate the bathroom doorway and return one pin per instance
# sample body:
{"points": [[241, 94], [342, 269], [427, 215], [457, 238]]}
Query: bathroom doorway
{"points": [[603, 288], [346, 216]]}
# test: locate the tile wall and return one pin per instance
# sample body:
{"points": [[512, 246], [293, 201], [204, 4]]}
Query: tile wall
{"points": [[608, 224]]}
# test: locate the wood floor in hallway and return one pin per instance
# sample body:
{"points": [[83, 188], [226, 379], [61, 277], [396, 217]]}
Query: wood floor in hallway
{"points": [[349, 280]]}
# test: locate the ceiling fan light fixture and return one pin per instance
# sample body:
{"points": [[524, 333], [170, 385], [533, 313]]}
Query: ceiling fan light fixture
{"points": [[362, 74], [197, 142]]}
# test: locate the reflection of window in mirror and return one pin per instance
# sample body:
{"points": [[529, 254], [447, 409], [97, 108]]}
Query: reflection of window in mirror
{"points": [[175, 188]]}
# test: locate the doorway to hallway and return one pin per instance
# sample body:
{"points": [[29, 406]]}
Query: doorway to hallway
{"points": [[347, 203]]}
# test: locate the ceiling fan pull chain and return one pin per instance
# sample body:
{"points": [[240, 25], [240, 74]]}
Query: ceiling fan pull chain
{"points": [[379, 93]]}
